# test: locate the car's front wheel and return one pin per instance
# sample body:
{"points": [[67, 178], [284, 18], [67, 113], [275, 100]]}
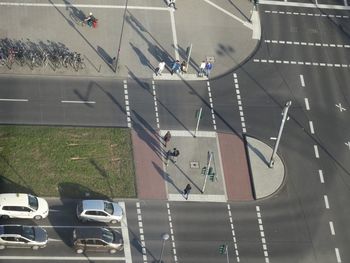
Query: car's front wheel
{"points": [[35, 247], [112, 251], [79, 250], [37, 217]]}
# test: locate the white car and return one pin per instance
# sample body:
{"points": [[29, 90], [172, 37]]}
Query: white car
{"points": [[23, 206], [99, 210]]}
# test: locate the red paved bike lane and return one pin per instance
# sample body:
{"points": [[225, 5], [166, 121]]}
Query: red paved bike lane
{"points": [[148, 164]]}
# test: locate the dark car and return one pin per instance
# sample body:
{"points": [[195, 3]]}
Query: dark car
{"points": [[22, 236], [97, 239]]}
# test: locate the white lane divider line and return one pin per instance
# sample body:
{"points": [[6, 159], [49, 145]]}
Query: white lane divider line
{"points": [[307, 106], [296, 43], [311, 127], [305, 14], [127, 104], [15, 100], [155, 103], [239, 101], [331, 226], [142, 237], [211, 106], [61, 258], [262, 234], [325, 197], [337, 254], [78, 101], [125, 233], [302, 80], [171, 232], [305, 5], [320, 173], [235, 246], [317, 155], [307, 63]]}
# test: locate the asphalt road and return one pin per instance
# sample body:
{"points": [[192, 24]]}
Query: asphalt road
{"points": [[305, 222]]}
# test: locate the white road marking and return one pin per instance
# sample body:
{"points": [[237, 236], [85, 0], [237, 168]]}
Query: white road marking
{"points": [[311, 127], [316, 152], [155, 104], [326, 201], [173, 29], [233, 234], [245, 23], [127, 107], [15, 100], [308, 14], [320, 172], [348, 144], [83, 6], [172, 233], [78, 101], [62, 258], [262, 234], [307, 106], [256, 25], [125, 233], [307, 5], [337, 254], [340, 107], [332, 228], [142, 243], [239, 100], [302, 80], [211, 106], [308, 63]]}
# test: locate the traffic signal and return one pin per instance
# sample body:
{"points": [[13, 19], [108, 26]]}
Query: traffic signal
{"points": [[222, 249]]}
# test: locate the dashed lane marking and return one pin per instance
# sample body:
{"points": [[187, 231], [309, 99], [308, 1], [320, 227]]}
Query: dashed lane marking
{"points": [[311, 127], [316, 152], [331, 226], [142, 237], [127, 104], [155, 103], [262, 234], [337, 254], [304, 14], [306, 63], [171, 232], [211, 106], [320, 173], [307, 5], [62, 258], [15, 100], [235, 246], [312, 44], [325, 197], [78, 101], [307, 106], [239, 101], [302, 81]]}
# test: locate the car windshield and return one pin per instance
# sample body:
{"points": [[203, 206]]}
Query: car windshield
{"points": [[33, 202], [109, 208], [107, 235], [28, 232]]}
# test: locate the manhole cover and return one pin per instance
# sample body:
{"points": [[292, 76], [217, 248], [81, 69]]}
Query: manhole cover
{"points": [[194, 165]]}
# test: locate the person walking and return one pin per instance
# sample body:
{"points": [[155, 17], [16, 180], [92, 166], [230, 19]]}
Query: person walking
{"points": [[208, 68], [175, 154], [186, 191], [176, 67], [183, 67], [202, 69], [171, 3], [167, 138], [160, 68]]}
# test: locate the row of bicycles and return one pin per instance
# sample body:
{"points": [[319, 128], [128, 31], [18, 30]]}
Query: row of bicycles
{"points": [[41, 58]]}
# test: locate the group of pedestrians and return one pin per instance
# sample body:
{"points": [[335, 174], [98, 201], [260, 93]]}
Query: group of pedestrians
{"points": [[204, 68], [173, 155]]}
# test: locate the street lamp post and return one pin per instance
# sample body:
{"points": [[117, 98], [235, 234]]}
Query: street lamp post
{"points": [[284, 113], [165, 237]]}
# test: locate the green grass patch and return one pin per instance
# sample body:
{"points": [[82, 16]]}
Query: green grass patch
{"points": [[67, 162]]}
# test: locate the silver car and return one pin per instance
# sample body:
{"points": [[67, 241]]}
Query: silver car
{"points": [[22, 237], [99, 210]]}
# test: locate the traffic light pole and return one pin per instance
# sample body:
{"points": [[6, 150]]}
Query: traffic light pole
{"points": [[227, 257]]}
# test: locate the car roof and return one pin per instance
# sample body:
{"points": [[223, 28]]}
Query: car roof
{"points": [[93, 204], [14, 199], [91, 232], [11, 229]]}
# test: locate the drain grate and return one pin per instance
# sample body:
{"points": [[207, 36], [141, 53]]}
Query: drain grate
{"points": [[194, 165]]}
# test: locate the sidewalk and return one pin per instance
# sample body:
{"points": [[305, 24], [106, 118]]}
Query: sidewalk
{"points": [[138, 37]]}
